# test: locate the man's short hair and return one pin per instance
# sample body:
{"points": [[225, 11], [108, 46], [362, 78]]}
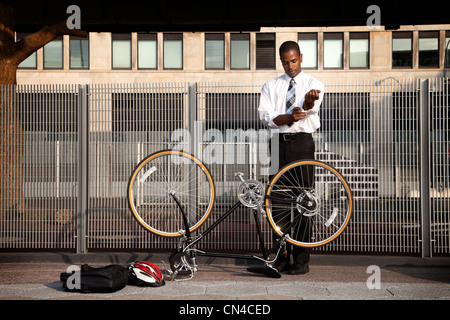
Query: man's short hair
{"points": [[288, 46]]}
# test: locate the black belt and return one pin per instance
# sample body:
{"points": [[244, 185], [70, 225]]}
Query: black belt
{"points": [[292, 136]]}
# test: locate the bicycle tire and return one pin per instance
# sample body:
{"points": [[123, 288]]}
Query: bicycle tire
{"points": [[317, 223], [157, 180]]}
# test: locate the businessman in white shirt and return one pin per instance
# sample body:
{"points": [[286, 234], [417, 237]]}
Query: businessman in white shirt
{"points": [[289, 107]]}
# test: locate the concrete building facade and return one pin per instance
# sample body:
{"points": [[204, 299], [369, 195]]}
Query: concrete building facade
{"points": [[380, 48]]}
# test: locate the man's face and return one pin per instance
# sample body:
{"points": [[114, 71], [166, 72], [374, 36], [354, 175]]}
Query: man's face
{"points": [[291, 62]]}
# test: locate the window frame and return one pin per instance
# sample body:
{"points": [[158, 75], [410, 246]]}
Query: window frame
{"points": [[215, 37], [447, 50], [333, 36], [120, 37], [240, 37], [147, 37], [266, 36], [20, 36], [173, 37], [403, 35], [309, 36], [429, 35], [61, 39], [359, 36], [88, 53]]}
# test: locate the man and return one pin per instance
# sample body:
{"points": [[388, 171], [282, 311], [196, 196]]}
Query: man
{"points": [[289, 107]]}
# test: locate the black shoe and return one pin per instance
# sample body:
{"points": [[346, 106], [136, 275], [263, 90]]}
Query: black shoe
{"points": [[298, 268]]}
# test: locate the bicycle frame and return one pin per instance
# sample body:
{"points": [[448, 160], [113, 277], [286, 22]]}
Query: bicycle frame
{"points": [[265, 253], [247, 198]]}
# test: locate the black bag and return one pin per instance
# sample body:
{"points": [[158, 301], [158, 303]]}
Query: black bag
{"points": [[103, 279]]}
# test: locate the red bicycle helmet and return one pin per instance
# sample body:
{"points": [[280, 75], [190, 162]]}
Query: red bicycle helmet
{"points": [[143, 273]]}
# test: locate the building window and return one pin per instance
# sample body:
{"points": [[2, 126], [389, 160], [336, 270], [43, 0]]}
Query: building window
{"points": [[214, 51], [359, 50], [173, 51], [121, 51], [53, 54], [402, 50], [308, 48], [447, 49], [31, 61], [265, 51], [240, 51], [147, 51], [428, 49], [79, 53], [333, 44]]}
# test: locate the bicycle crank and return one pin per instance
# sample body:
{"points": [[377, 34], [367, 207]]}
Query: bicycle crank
{"points": [[251, 193]]}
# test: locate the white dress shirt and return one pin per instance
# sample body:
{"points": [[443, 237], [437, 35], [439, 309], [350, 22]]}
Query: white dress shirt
{"points": [[273, 103]]}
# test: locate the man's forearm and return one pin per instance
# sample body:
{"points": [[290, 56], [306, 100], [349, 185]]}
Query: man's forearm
{"points": [[283, 119]]}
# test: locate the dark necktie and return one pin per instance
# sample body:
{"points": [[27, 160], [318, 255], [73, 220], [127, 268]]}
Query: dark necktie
{"points": [[290, 96]]}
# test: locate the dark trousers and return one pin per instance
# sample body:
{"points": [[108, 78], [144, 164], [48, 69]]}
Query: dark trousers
{"points": [[299, 147]]}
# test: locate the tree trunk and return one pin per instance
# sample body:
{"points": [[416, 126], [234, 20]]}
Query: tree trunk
{"points": [[11, 137], [12, 53], [11, 133]]}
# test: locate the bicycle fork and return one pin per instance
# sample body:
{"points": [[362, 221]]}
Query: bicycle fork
{"points": [[185, 220], [189, 266]]}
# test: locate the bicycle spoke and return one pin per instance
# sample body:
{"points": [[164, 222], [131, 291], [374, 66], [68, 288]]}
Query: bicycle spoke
{"points": [[166, 175], [314, 197]]}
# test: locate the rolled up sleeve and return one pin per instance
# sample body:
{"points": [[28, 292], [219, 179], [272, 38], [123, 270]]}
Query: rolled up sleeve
{"points": [[318, 85], [266, 109]]}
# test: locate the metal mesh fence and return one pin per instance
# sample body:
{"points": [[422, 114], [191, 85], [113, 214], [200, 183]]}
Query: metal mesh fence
{"points": [[371, 132], [440, 165], [39, 166]]}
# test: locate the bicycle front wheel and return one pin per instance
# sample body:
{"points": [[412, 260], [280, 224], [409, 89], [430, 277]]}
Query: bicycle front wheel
{"points": [[309, 202], [166, 184]]}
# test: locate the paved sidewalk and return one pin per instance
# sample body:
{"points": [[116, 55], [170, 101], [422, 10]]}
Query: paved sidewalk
{"points": [[35, 276]]}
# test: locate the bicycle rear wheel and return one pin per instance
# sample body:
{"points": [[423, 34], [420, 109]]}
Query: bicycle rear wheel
{"points": [[164, 185], [309, 202]]}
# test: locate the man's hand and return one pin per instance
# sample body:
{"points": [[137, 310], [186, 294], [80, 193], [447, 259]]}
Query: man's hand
{"points": [[310, 97], [289, 118], [297, 114]]}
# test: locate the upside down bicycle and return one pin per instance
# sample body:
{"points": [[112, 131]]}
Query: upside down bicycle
{"points": [[171, 194]]}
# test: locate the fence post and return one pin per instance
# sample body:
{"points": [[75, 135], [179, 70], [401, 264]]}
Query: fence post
{"points": [[424, 116], [193, 124], [82, 202]]}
